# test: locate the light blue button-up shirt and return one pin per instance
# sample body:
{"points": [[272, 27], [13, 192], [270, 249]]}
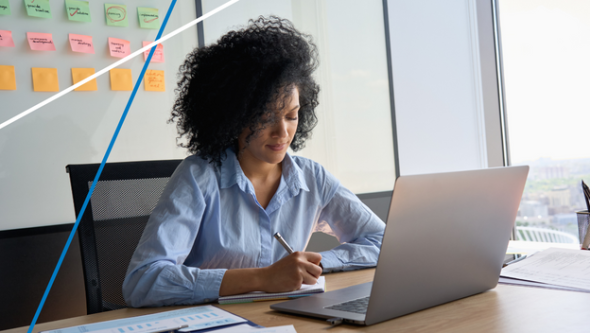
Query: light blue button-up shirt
{"points": [[208, 220]]}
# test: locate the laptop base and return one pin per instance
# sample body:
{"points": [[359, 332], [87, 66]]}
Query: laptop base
{"points": [[318, 303]]}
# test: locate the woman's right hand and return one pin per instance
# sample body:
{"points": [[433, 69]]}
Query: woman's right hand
{"points": [[289, 273]]}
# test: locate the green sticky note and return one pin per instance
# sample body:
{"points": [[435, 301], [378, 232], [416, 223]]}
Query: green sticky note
{"points": [[116, 15], [38, 8], [4, 7], [78, 10], [149, 18]]}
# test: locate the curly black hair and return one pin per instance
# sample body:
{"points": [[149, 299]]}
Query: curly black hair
{"points": [[240, 82]]}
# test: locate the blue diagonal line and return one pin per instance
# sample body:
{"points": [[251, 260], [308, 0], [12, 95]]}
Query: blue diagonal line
{"points": [[104, 160]]}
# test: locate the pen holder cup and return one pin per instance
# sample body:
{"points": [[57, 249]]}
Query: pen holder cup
{"points": [[583, 222]]}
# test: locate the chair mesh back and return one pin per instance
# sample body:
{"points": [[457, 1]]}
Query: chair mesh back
{"points": [[113, 222], [116, 199], [120, 210], [115, 243]]}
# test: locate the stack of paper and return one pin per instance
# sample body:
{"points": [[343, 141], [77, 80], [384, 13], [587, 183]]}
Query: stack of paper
{"points": [[204, 317], [559, 267], [185, 320], [248, 328], [256, 296]]}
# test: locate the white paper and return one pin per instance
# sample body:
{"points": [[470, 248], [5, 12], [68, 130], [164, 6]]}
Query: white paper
{"points": [[248, 328], [517, 282], [312, 288], [562, 267], [197, 318]]}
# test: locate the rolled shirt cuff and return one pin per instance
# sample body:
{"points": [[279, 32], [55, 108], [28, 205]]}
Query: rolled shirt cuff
{"points": [[208, 284], [330, 262]]}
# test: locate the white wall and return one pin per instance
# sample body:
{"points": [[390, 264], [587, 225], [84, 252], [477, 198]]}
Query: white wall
{"points": [[438, 85], [353, 138]]}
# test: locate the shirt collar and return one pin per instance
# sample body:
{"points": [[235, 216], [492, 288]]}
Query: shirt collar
{"points": [[231, 173], [293, 175]]}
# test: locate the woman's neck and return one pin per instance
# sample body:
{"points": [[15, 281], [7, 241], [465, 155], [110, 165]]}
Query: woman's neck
{"points": [[265, 177], [259, 171]]}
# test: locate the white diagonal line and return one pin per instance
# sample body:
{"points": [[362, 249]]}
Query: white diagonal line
{"points": [[108, 68]]}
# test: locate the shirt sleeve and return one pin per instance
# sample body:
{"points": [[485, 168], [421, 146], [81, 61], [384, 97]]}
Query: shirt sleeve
{"points": [[358, 229], [156, 275]]}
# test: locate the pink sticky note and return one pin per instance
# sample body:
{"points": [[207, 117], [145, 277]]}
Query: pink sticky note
{"points": [[158, 53], [81, 43], [119, 47], [39, 41], [6, 38]]}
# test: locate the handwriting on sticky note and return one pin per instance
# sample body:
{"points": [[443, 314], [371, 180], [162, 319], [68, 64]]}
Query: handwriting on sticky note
{"points": [[45, 79], [121, 79], [6, 38], [158, 53], [7, 78], [154, 80], [149, 18], [79, 74], [39, 41], [119, 48], [116, 15], [78, 10], [81, 43], [38, 8], [4, 7]]}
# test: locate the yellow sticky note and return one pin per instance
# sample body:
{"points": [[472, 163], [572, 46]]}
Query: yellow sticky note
{"points": [[45, 79], [154, 80], [79, 74], [7, 78], [121, 79]]}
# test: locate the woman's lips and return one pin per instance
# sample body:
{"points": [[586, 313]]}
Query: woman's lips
{"points": [[277, 147]]}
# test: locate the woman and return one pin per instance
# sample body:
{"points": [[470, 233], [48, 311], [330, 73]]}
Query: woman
{"points": [[242, 102]]}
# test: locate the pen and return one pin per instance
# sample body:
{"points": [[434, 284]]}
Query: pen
{"points": [[515, 260], [171, 329], [586, 191], [283, 243]]}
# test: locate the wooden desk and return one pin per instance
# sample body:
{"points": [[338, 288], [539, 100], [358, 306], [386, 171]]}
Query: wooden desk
{"points": [[503, 309]]}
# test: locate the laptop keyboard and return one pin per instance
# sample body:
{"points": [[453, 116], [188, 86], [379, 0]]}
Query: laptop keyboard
{"points": [[358, 305]]}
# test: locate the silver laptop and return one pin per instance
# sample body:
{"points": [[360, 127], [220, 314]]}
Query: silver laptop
{"points": [[446, 238]]}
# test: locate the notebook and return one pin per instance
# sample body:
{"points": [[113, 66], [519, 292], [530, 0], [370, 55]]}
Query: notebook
{"points": [[256, 296]]}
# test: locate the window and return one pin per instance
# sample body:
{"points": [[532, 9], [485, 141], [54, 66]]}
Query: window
{"points": [[546, 52]]}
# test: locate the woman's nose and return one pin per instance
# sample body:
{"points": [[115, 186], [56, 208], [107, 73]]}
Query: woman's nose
{"points": [[280, 129]]}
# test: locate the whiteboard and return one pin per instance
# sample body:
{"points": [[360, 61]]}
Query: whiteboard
{"points": [[353, 139], [77, 128]]}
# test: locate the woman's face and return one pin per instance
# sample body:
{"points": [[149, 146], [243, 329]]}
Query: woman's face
{"points": [[271, 143]]}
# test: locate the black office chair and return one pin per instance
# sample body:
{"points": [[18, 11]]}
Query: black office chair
{"points": [[113, 222]]}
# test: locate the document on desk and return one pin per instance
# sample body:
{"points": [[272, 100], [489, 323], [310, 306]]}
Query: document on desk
{"points": [[193, 319], [518, 282], [562, 267], [247, 328]]}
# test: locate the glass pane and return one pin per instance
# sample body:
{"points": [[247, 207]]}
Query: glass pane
{"points": [[546, 47], [353, 139]]}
